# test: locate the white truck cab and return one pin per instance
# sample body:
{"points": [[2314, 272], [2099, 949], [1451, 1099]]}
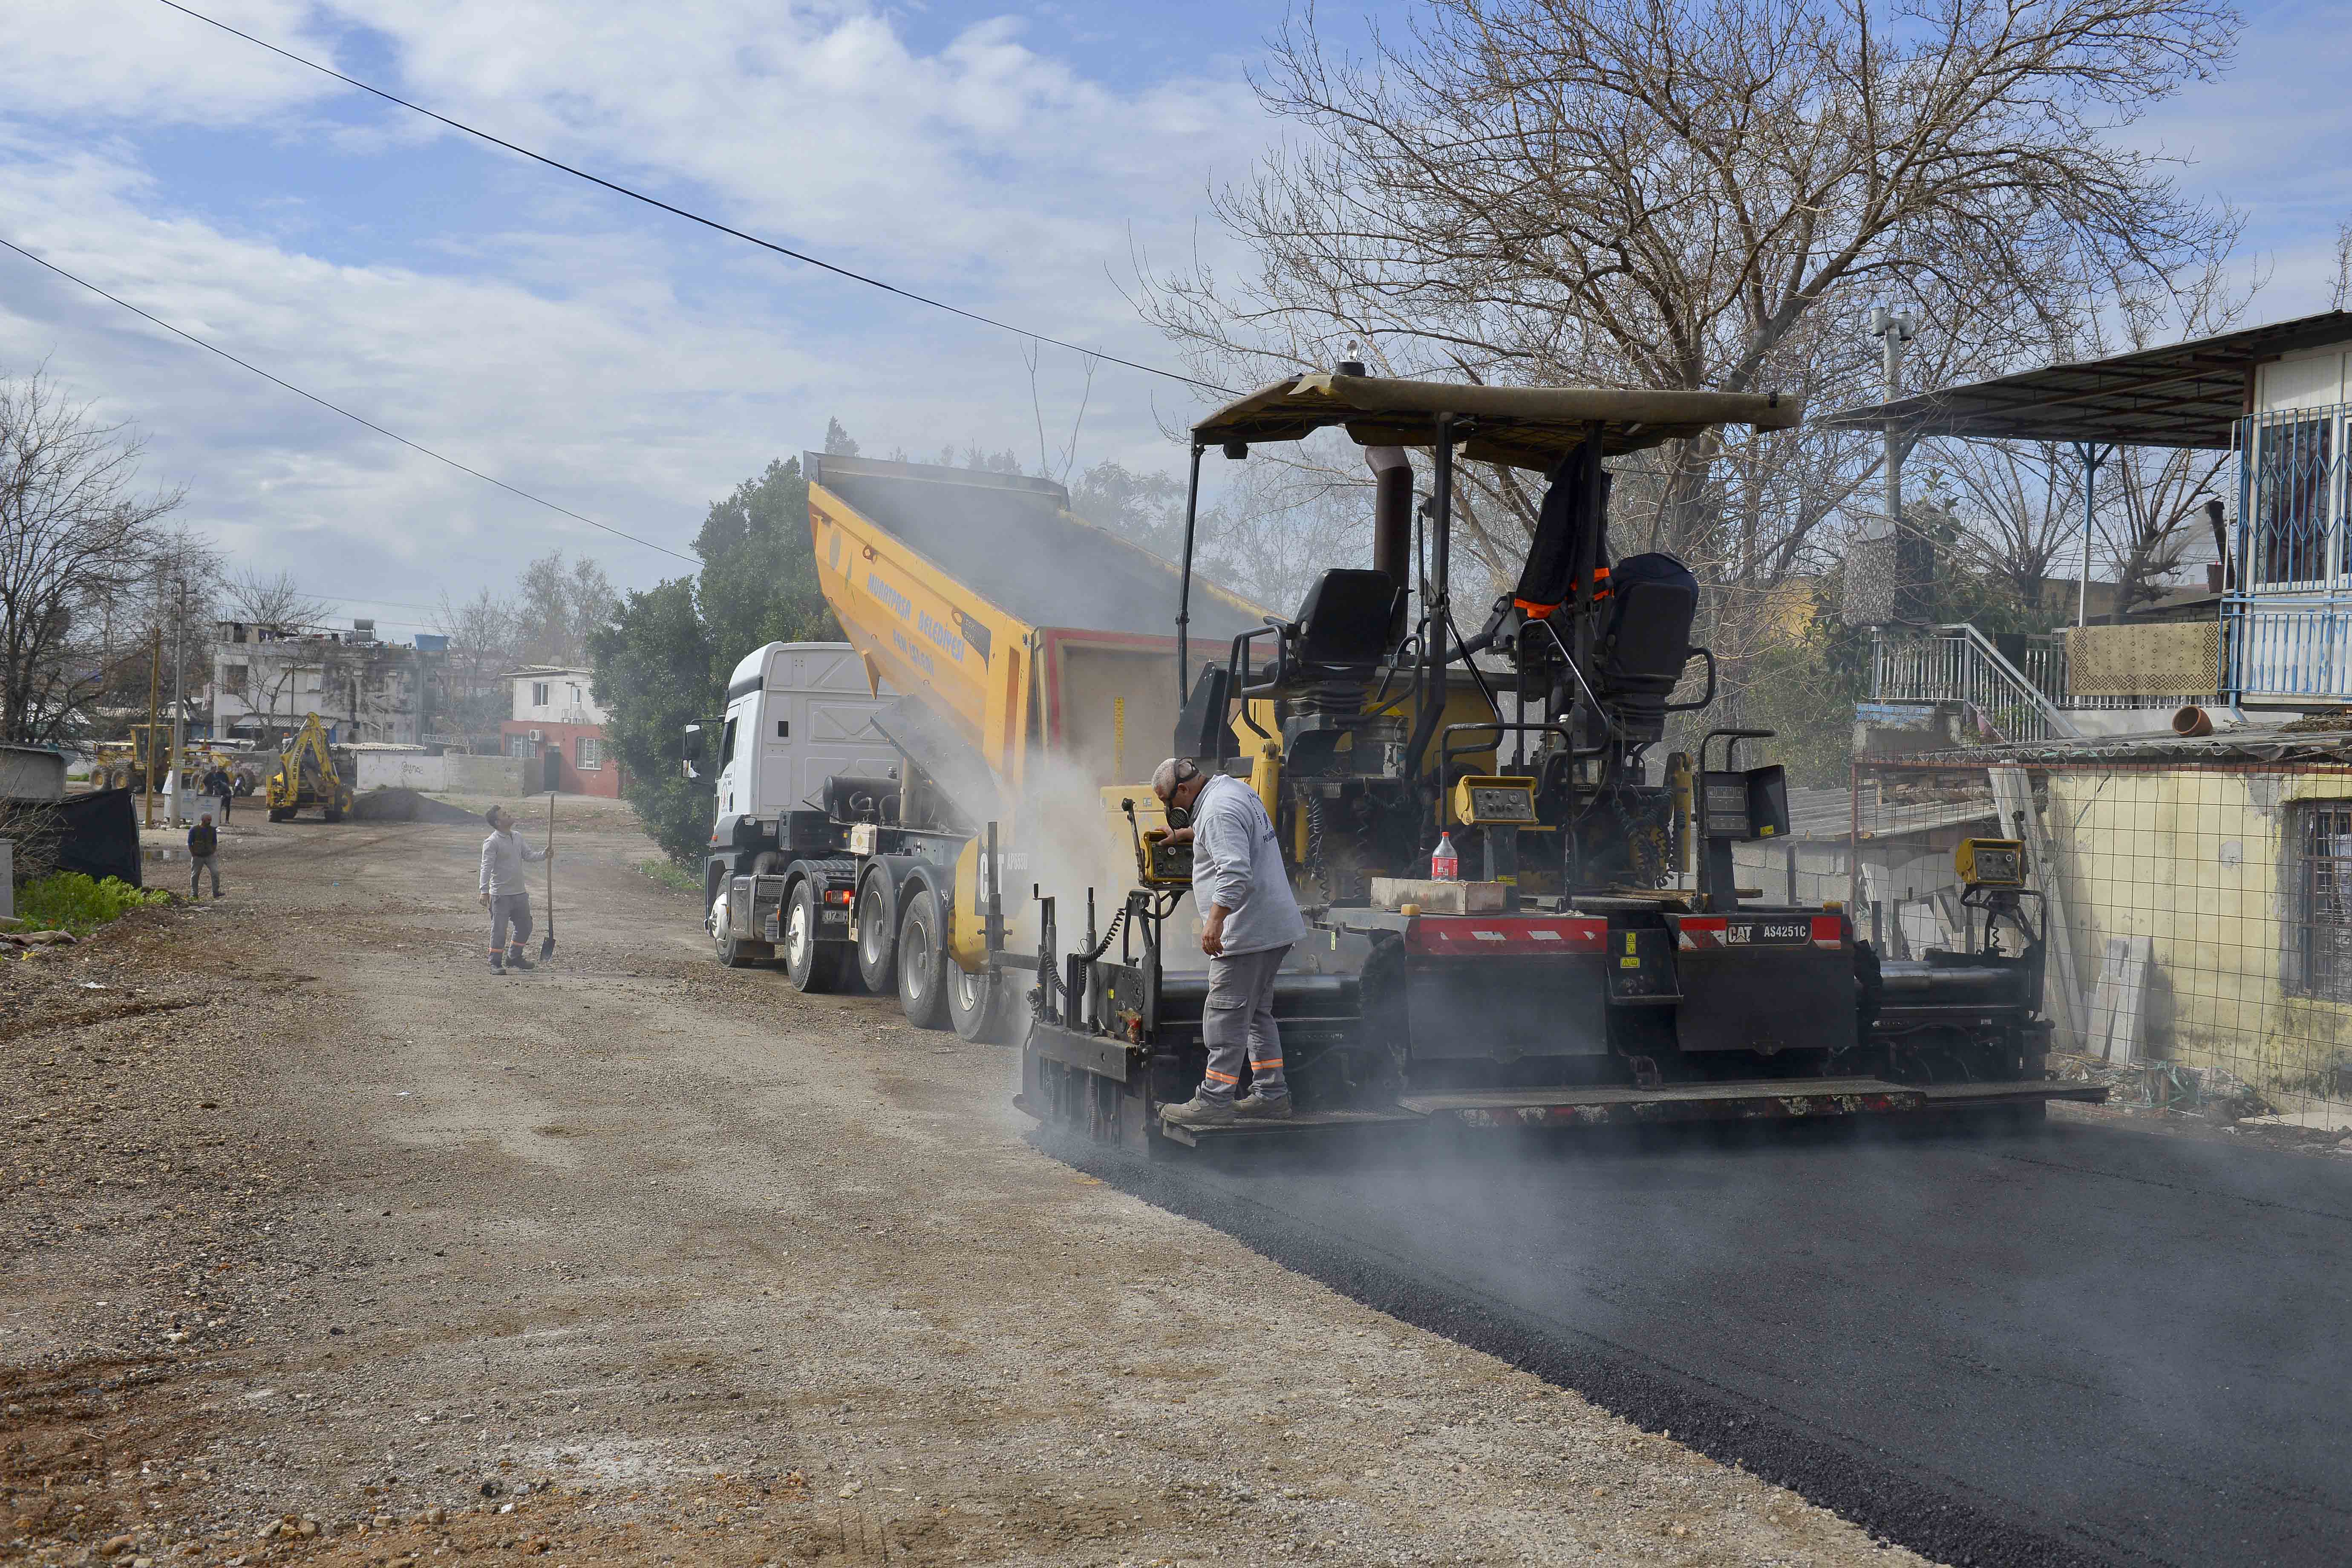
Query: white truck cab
{"points": [[797, 714]]}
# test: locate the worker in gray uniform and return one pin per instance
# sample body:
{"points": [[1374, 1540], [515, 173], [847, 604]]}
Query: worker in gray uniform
{"points": [[505, 892], [1248, 921]]}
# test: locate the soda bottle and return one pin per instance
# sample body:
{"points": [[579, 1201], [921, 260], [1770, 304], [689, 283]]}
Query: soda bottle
{"points": [[1444, 865]]}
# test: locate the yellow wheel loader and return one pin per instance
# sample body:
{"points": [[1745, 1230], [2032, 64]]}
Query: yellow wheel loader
{"points": [[308, 774]]}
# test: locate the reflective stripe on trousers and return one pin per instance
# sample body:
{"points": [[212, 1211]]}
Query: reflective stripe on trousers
{"points": [[1237, 1025]]}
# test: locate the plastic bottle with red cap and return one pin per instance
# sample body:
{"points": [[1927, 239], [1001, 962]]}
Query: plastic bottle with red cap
{"points": [[1444, 865]]}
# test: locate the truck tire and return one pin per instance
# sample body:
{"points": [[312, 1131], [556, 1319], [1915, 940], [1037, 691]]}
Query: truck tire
{"points": [[877, 934], [812, 965], [923, 963], [978, 1004], [722, 940]]}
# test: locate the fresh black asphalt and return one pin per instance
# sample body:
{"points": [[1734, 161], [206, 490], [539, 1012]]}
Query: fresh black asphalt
{"points": [[2070, 1344]]}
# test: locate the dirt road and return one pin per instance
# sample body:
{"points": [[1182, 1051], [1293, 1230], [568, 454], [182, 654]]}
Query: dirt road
{"points": [[321, 1242]]}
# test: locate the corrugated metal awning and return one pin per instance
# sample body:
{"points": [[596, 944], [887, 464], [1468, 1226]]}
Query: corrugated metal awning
{"points": [[2183, 395]]}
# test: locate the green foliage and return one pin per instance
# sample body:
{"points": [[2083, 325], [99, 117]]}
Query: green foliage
{"points": [[663, 662], [759, 581], [653, 666], [70, 901]]}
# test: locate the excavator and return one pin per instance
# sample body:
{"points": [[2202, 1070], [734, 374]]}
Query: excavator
{"points": [[1594, 961], [308, 775]]}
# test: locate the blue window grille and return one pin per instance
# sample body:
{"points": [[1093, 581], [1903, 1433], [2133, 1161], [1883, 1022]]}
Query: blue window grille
{"points": [[2287, 622]]}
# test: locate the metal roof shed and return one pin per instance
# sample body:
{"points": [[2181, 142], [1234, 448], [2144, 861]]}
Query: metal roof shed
{"points": [[2185, 395]]}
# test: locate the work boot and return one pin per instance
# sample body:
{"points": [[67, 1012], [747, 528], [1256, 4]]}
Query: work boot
{"points": [[515, 960], [1199, 1112], [498, 965], [1263, 1108]]}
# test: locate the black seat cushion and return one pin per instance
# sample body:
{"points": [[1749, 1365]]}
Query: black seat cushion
{"points": [[1344, 620], [1652, 600]]}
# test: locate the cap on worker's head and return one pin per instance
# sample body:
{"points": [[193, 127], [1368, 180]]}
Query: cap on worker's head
{"points": [[1171, 772]]}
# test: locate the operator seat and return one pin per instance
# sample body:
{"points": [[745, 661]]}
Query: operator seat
{"points": [[1646, 641], [1342, 629], [1327, 657]]}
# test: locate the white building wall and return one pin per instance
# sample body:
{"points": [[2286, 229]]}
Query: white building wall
{"points": [[567, 697]]}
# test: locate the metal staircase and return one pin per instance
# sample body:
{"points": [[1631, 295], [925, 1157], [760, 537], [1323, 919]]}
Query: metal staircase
{"points": [[1959, 664]]}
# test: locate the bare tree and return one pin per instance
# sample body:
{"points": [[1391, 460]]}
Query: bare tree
{"points": [[2339, 293], [78, 543], [271, 601], [2019, 507], [482, 634], [1683, 196], [557, 607]]}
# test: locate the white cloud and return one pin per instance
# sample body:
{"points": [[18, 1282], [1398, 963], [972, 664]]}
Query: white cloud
{"points": [[136, 61], [601, 354]]}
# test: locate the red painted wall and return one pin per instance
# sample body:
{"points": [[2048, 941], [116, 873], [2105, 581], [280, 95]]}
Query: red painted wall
{"points": [[564, 739]]}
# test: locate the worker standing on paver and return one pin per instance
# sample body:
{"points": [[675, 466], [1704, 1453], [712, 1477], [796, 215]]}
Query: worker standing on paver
{"points": [[203, 854], [1248, 921], [505, 893]]}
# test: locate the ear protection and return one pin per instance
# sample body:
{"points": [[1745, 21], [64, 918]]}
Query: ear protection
{"points": [[1187, 770]]}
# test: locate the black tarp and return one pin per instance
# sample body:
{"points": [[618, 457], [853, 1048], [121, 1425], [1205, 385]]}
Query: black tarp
{"points": [[98, 835]]}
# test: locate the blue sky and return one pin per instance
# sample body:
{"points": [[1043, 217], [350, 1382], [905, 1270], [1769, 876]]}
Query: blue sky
{"points": [[632, 368]]}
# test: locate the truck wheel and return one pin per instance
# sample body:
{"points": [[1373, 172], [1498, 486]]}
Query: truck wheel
{"points": [[722, 938], [923, 963], [812, 965], [977, 1004], [877, 934]]}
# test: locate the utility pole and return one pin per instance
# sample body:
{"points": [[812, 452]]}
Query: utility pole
{"points": [[1882, 584], [154, 698], [179, 702], [1893, 329]]}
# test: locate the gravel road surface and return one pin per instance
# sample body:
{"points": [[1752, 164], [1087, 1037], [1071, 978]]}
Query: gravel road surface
{"points": [[318, 1242]]}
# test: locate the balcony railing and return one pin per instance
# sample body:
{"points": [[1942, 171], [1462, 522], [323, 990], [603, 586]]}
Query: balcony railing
{"points": [[1959, 664]]}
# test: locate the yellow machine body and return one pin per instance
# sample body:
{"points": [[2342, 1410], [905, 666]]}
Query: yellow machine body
{"points": [[308, 775], [1990, 862]]}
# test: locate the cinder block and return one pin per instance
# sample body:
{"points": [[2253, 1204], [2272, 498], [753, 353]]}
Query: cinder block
{"points": [[1438, 898]]}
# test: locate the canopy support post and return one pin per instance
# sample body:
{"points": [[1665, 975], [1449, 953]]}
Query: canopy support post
{"points": [[2092, 456], [1184, 590]]}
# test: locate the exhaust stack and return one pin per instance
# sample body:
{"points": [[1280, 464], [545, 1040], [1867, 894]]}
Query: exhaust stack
{"points": [[1392, 520]]}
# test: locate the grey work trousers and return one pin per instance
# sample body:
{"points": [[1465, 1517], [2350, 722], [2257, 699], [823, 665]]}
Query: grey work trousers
{"points": [[1237, 1025], [200, 864], [510, 910]]}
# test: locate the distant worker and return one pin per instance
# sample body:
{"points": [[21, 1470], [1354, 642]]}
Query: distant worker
{"points": [[505, 893], [219, 788], [1248, 921], [203, 854]]}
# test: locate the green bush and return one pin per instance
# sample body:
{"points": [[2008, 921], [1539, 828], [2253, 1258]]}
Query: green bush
{"points": [[70, 902]]}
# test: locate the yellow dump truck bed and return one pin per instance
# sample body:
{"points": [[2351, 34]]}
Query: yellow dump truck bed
{"points": [[1033, 633]]}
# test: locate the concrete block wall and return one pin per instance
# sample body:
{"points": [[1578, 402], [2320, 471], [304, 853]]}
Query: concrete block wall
{"points": [[507, 776]]}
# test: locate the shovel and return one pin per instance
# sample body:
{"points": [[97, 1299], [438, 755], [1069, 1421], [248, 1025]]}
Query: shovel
{"points": [[547, 943]]}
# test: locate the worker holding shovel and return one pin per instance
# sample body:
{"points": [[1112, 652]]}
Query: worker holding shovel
{"points": [[505, 893]]}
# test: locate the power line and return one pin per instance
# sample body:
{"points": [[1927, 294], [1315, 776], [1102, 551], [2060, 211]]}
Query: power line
{"points": [[356, 419], [714, 223]]}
